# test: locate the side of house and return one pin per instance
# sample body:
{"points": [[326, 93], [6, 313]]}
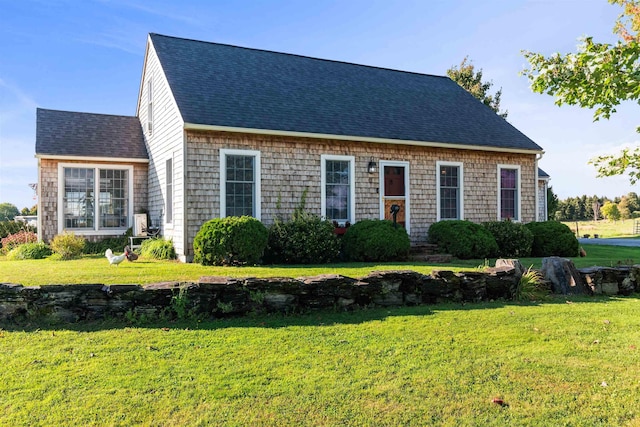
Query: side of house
{"points": [[437, 183], [163, 130]]}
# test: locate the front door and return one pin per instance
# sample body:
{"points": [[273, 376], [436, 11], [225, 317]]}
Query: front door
{"points": [[394, 190]]}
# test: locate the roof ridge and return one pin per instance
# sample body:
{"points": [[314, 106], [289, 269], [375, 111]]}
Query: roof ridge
{"points": [[85, 112], [301, 56]]}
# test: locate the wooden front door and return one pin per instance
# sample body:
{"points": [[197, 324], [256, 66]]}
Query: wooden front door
{"points": [[394, 190]]}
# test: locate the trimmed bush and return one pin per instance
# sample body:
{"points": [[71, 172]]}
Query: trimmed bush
{"points": [[463, 239], [37, 250], [158, 249], [19, 238], [306, 239], [230, 241], [67, 246], [552, 238], [376, 240], [513, 238]]}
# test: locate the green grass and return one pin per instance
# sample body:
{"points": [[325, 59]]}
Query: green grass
{"points": [[95, 269], [555, 363], [604, 228]]}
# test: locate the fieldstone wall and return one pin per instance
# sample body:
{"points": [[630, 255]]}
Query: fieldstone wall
{"points": [[225, 296], [222, 296]]}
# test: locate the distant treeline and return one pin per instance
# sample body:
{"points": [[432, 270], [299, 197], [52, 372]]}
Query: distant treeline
{"points": [[593, 207]]}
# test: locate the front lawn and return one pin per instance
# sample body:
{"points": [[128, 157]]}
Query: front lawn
{"points": [[96, 269], [558, 363]]}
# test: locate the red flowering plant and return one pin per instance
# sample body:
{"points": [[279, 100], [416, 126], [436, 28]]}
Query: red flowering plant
{"points": [[17, 239]]}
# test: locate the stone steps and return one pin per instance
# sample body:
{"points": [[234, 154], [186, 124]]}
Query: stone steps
{"points": [[428, 252]]}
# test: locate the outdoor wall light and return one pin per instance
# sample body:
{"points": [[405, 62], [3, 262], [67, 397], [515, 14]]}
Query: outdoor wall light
{"points": [[372, 167]]}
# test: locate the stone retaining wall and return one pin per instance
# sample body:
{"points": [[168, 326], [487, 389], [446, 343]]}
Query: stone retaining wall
{"points": [[220, 296], [223, 296]]}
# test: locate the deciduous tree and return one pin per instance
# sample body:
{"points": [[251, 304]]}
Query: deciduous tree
{"points": [[598, 76], [610, 211], [471, 80], [8, 211]]}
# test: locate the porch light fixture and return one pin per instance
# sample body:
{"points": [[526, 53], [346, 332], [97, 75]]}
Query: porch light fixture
{"points": [[372, 167]]}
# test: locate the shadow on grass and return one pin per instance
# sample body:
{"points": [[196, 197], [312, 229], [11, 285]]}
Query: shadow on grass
{"points": [[318, 318]]}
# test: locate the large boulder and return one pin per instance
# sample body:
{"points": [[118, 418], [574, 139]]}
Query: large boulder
{"points": [[563, 276]]}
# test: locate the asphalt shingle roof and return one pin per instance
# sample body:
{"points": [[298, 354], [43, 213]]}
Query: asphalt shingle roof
{"points": [[65, 133], [223, 85]]}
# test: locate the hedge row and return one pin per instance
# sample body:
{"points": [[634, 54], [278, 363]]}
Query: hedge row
{"points": [[308, 239]]}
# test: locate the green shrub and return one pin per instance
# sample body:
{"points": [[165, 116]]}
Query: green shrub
{"points": [[36, 250], [20, 238], [67, 246], [230, 241], [552, 238], [158, 249], [376, 240], [306, 239], [513, 238], [463, 239], [116, 244]]}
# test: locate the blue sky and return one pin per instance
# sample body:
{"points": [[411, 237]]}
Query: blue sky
{"points": [[87, 55]]}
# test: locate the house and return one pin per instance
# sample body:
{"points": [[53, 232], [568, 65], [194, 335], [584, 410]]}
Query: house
{"points": [[223, 130]]}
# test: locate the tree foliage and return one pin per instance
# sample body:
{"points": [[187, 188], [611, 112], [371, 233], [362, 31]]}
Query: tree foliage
{"points": [[598, 76], [8, 211], [610, 211], [471, 80], [552, 202], [27, 211], [628, 160], [584, 208]]}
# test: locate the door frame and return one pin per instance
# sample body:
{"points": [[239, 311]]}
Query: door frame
{"points": [[407, 203]]}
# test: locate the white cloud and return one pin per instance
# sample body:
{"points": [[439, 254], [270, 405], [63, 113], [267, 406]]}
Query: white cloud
{"points": [[14, 102], [599, 150]]}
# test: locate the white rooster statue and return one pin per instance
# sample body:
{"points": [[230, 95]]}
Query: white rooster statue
{"points": [[114, 259]]}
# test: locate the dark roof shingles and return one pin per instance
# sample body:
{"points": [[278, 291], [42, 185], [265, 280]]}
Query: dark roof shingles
{"points": [[223, 85], [65, 133]]}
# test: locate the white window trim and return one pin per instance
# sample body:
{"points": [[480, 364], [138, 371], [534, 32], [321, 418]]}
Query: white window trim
{"points": [[518, 190], [257, 177], [460, 185], [407, 204], [96, 231], [352, 184]]}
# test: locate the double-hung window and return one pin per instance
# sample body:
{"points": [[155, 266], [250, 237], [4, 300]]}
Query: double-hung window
{"points": [[509, 192], [240, 183], [449, 184], [94, 199], [337, 188]]}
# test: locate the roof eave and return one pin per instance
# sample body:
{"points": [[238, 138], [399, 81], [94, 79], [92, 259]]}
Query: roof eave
{"points": [[196, 126], [91, 158]]}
